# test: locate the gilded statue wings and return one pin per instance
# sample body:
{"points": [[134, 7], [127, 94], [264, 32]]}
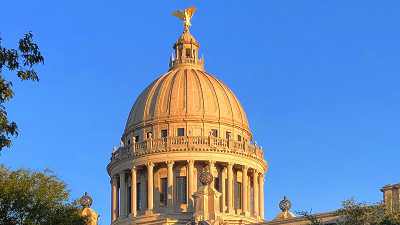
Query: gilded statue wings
{"points": [[187, 14]]}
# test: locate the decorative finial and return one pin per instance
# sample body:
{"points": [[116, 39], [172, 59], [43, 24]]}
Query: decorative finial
{"points": [[114, 149], [285, 205], [206, 178], [86, 201], [185, 16]]}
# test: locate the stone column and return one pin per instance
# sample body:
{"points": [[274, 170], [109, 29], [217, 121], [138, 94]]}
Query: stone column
{"points": [[255, 193], [230, 188], [190, 182], [150, 186], [211, 164], [244, 191], [249, 195], [170, 187], [261, 189], [114, 210], [122, 195], [134, 192], [223, 177]]}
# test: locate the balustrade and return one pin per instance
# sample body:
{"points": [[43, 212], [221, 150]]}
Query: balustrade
{"points": [[184, 142]]}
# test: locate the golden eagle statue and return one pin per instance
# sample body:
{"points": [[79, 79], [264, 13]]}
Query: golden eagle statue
{"points": [[185, 16]]}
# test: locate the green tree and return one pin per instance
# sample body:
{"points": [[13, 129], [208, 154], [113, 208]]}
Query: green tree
{"points": [[30, 197], [362, 214], [22, 61], [353, 213]]}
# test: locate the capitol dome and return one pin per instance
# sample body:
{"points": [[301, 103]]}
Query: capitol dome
{"points": [[188, 98], [188, 94], [185, 124]]}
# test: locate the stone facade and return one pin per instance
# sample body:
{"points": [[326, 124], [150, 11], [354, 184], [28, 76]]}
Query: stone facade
{"points": [[184, 123], [391, 195]]}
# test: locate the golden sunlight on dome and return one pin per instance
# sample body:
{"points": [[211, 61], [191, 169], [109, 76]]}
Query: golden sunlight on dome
{"points": [[187, 138], [187, 93]]}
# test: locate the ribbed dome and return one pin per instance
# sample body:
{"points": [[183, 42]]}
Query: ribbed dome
{"points": [[188, 93]]}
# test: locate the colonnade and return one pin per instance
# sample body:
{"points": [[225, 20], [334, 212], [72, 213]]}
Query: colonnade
{"points": [[250, 205]]}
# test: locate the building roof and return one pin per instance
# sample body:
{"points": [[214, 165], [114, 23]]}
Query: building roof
{"points": [[187, 92], [190, 93]]}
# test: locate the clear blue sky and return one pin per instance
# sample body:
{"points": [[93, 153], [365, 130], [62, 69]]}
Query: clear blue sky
{"points": [[319, 81]]}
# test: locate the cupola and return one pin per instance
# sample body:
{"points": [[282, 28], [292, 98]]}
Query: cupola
{"points": [[186, 51]]}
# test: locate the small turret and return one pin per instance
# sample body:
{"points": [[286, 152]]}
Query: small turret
{"points": [[391, 195], [284, 205], [186, 47], [206, 200], [86, 201]]}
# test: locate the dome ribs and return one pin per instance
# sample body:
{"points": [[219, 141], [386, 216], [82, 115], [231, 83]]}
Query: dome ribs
{"points": [[189, 94], [241, 111], [137, 106], [211, 89], [194, 96], [181, 93], [226, 98], [163, 98], [201, 92], [186, 95], [170, 92], [146, 112], [155, 96]]}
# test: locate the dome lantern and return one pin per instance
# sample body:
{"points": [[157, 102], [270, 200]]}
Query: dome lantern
{"points": [[186, 47]]}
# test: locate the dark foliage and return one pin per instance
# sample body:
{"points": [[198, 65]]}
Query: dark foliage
{"points": [[20, 60]]}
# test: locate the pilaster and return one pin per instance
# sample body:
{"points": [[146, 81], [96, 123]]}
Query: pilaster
{"points": [[150, 188], [190, 166], [255, 194], [122, 194], [134, 191], [170, 187], [114, 209], [261, 189], [245, 210], [230, 189], [211, 165]]}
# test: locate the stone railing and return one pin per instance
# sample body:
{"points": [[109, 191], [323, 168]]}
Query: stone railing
{"points": [[191, 142], [176, 62]]}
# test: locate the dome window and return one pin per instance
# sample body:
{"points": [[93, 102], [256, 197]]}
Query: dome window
{"points": [[129, 195], [181, 190], [214, 132], [188, 55], [216, 184], [164, 133], [239, 195], [228, 135], [163, 191], [139, 196], [181, 132], [239, 138]]}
